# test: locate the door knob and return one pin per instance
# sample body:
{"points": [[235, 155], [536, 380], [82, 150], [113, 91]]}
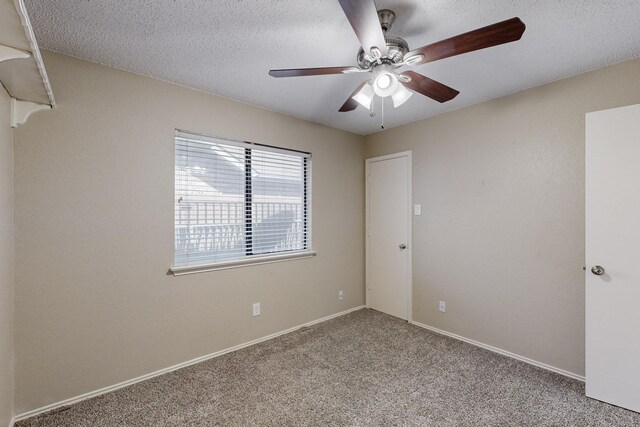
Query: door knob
{"points": [[402, 246], [597, 270]]}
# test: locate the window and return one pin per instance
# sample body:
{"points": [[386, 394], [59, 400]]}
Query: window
{"points": [[239, 201]]}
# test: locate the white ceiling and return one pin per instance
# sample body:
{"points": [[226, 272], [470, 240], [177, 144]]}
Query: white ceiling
{"points": [[227, 47]]}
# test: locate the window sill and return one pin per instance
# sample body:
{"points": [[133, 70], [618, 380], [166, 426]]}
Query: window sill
{"points": [[267, 259]]}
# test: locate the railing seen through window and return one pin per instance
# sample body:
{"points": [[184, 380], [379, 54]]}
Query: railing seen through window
{"points": [[235, 200]]}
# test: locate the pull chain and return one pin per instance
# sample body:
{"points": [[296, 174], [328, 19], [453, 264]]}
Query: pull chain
{"points": [[382, 113]]}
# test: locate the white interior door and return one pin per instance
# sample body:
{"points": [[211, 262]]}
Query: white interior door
{"points": [[613, 242], [388, 232]]}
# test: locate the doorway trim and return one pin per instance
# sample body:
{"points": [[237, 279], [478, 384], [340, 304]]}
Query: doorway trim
{"points": [[368, 162]]}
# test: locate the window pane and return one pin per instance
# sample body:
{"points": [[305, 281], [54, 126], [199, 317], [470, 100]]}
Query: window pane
{"points": [[277, 202], [210, 206]]}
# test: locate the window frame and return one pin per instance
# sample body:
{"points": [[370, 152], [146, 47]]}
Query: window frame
{"points": [[249, 258]]}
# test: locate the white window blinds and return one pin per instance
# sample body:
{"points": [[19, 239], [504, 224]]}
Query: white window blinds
{"points": [[235, 200]]}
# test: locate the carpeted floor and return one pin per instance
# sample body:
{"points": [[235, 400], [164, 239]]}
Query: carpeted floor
{"points": [[362, 369]]}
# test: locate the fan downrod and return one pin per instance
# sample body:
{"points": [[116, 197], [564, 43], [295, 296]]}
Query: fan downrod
{"points": [[387, 17]]}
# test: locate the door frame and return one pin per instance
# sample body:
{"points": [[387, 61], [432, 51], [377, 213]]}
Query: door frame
{"points": [[409, 284]]}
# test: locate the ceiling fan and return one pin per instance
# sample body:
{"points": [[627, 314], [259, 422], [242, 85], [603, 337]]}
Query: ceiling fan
{"points": [[382, 55]]}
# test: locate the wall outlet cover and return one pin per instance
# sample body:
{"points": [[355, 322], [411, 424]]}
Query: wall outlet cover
{"points": [[256, 309], [340, 295], [442, 306]]}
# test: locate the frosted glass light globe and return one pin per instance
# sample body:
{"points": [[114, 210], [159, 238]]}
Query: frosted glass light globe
{"points": [[385, 84]]}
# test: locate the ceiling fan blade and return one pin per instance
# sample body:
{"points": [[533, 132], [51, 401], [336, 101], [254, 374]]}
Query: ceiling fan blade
{"points": [[431, 88], [363, 16], [299, 72], [351, 104], [492, 35]]}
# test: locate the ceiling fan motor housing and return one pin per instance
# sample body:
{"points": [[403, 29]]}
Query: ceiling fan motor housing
{"points": [[397, 48]]}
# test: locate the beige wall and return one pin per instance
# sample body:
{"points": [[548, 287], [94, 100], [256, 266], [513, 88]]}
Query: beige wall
{"points": [[94, 234], [501, 237], [6, 261]]}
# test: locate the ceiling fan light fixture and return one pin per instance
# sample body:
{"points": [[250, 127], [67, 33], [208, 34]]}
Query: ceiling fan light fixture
{"points": [[400, 96], [385, 84], [365, 96]]}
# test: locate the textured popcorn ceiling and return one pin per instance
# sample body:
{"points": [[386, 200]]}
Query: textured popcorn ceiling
{"points": [[227, 47]]}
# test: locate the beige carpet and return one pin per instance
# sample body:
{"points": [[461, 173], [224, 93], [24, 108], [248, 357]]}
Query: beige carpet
{"points": [[362, 369]]}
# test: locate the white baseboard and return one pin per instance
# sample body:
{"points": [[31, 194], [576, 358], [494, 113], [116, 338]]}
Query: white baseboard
{"points": [[502, 352], [126, 383]]}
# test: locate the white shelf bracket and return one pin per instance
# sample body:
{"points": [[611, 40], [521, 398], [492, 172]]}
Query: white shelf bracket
{"points": [[21, 110], [7, 53]]}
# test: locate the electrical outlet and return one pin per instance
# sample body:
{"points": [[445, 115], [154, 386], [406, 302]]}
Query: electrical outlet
{"points": [[340, 295], [442, 306], [417, 210], [256, 309]]}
